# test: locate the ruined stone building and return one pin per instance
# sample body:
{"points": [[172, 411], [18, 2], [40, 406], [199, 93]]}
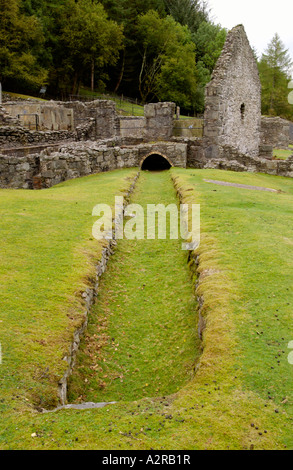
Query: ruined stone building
{"points": [[74, 139], [233, 100]]}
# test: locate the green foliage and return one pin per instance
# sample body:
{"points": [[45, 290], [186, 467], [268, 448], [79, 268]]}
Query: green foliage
{"points": [[209, 40], [91, 41], [189, 13], [21, 40], [274, 69], [168, 60], [102, 45]]}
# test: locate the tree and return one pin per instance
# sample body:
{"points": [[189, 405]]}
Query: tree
{"points": [[209, 40], [274, 69], [126, 12], [91, 42], [21, 40], [189, 13], [167, 60]]}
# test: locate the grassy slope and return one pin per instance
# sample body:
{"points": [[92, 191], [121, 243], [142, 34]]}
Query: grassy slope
{"points": [[246, 247], [282, 154], [47, 259], [254, 234]]}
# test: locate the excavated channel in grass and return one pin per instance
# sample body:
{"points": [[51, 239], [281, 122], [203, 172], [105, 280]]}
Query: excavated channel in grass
{"points": [[142, 338]]}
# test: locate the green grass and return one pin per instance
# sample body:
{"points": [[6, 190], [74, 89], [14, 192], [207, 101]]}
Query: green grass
{"points": [[47, 259], [124, 107], [282, 154], [241, 396], [254, 235], [142, 337], [23, 97]]}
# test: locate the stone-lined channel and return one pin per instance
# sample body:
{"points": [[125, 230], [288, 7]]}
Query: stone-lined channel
{"points": [[141, 339]]}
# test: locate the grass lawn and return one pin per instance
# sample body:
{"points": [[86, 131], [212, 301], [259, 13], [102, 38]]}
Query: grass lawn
{"points": [[48, 258], [241, 396], [283, 154], [14, 96]]}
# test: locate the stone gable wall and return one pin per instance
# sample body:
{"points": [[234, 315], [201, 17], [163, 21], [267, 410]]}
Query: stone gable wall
{"points": [[233, 99]]}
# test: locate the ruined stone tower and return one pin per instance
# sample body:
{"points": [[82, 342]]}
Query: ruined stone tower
{"points": [[233, 100]]}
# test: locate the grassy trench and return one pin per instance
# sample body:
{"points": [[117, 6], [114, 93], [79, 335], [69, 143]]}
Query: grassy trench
{"points": [[141, 340], [241, 395], [47, 259]]}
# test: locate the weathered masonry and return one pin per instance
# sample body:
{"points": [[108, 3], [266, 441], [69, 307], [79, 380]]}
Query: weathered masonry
{"points": [[233, 100], [73, 160]]}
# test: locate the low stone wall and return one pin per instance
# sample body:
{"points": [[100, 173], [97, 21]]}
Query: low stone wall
{"points": [[41, 115], [20, 168], [19, 136], [6, 119], [291, 133], [232, 160], [76, 159], [18, 172], [275, 132]]}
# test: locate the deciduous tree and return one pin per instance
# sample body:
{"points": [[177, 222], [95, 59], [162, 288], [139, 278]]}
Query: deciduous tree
{"points": [[168, 60], [21, 39]]}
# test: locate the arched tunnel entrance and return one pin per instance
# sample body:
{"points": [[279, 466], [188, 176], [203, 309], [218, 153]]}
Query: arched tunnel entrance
{"points": [[156, 162]]}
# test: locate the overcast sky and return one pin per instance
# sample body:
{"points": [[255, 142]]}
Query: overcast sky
{"points": [[260, 18]]}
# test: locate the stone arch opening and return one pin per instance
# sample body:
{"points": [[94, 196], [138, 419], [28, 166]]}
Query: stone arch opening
{"points": [[156, 162]]}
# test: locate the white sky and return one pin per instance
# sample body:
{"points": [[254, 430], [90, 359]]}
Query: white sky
{"points": [[260, 18]]}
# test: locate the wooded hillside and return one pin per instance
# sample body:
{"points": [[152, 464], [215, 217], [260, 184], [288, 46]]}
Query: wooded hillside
{"points": [[149, 50]]}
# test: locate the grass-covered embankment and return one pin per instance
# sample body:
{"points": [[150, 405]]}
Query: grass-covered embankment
{"points": [[283, 154], [48, 258], [250, 234]]}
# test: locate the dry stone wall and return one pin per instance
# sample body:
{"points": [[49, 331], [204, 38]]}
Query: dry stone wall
{"points": [[275, 131], [132, 126], [76, 159], [291, 133], [19, 136], [159, 119], [233, 160]]}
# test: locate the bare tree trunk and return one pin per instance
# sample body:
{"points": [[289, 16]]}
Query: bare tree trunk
{"points": [[121, 73], [141, 77], [74, 86], [93, 76]]}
